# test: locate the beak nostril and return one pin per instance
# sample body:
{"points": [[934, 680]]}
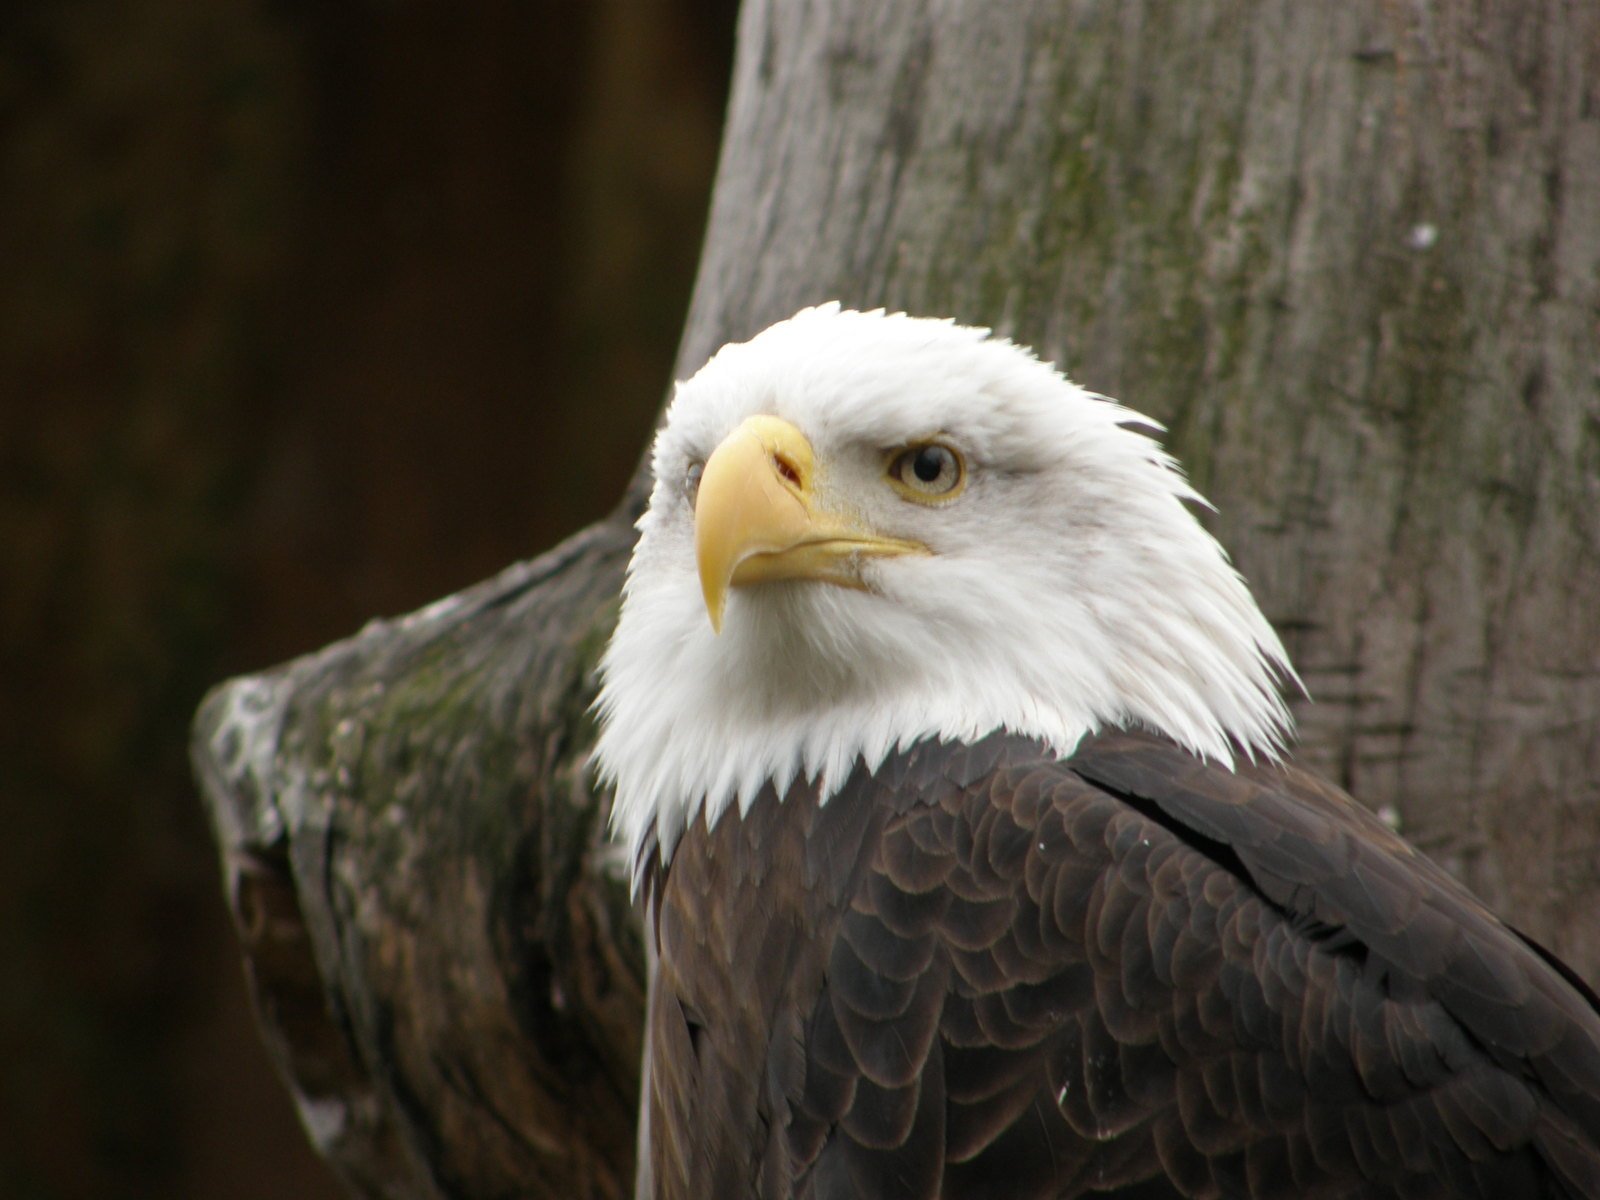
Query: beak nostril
{"points": [[787, 469]]}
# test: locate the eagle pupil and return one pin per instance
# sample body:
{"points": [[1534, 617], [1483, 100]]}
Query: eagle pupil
{"points": [[929, 463]]}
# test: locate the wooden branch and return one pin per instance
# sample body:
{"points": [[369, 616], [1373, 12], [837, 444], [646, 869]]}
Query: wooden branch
{"points": [[439, 937]]}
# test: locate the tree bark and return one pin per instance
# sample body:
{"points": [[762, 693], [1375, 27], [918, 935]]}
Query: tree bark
{"points": [[1350, 254], [439, 937]]}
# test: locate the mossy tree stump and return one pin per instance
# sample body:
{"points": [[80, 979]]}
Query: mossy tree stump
{"points": [[1350, 254]]}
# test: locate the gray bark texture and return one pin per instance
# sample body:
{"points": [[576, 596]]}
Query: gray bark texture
{"points": [[1348, 253]]}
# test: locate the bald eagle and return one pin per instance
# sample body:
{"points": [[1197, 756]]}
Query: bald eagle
{"points": [[948, 747]]}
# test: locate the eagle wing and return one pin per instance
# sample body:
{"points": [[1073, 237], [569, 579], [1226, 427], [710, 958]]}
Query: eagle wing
{"points": [[984, 971]]}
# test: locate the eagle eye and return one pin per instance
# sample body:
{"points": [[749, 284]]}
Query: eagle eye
{"points": [[691, 481], [930, 471]]}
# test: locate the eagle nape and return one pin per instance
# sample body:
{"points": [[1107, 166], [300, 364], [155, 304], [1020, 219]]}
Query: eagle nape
{"points": [[976, 866]]}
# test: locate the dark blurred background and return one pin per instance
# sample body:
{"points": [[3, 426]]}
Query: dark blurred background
{"points": [[309, 312]]}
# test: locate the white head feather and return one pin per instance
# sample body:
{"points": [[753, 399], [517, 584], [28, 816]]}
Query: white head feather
{"points": [[1068, 587]]}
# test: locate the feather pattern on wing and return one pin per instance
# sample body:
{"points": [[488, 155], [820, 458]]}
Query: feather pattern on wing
{"points": [[984, 971]]}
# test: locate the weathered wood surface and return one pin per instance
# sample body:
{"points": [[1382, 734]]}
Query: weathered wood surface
{"points": [[1350, 254], [439, 937]]}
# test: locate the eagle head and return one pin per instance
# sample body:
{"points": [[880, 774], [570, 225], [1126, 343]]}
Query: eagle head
{"points": [[867, 529]]}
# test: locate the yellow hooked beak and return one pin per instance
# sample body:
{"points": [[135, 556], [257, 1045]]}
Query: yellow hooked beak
{"points": [[756, 518]]}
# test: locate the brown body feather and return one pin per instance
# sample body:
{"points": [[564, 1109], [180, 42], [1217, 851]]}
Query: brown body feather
{"points": [[982, 972]]}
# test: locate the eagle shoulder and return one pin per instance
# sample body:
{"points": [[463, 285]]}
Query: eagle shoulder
{"points": [[984, 970]]}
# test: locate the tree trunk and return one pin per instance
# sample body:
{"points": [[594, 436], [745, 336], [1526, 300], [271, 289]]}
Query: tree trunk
{"points": [[1350, 254]]}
